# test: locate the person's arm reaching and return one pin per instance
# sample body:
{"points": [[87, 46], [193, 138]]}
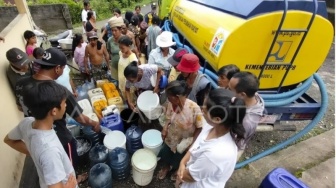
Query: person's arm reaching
{"points": [[86, 56], [18, 145], [107, 57]]}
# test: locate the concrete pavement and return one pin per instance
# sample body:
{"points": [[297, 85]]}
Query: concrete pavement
{"points": [[313, 159]]}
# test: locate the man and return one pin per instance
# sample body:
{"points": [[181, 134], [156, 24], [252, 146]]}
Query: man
{"points": [[52, 65], [85, 10], [18, 66], [35, 136], [149, 15], [246, 85], [96, 52]]}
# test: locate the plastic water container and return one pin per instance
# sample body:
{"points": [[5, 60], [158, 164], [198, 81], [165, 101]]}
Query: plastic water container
{"points": [[133, 139], [113, 122], [88, 85], [98, 154], [152, 140], [97, 98], [89, 133], [143, 165], [86, 106], [281, 178], [82, 93], [83, 147], [116, 101], [119, 162], [100, 176], [129, 117], [149, 103], [115, 139], [74, 129], [112, 109], [95, 92]]}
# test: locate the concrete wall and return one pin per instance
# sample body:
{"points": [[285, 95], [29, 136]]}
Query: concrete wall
{"points": [[47, 17], [11, 161]]}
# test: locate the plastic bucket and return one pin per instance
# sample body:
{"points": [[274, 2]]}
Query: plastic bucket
{"points": [[115, 139], [152, 140], [149, 103], [143, 166], [129, 118]]}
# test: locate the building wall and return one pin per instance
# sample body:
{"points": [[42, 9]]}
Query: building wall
{"points": [[11, 161], [47, 17]]}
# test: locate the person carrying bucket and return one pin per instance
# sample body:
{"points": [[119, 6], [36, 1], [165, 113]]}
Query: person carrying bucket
{"points": [[184, 121], [139, 78], [211, 159]]}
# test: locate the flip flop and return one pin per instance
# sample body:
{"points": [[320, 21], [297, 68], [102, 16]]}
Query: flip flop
{"points": [[173, 176], [163, 172], [82, 178]]}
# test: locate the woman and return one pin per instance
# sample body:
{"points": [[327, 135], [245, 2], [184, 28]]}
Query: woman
{"points": [[211, 159], [225, 74], [139, 78], [91, 22], [153, 32], [160, 55], [126, 57], [184, 121], [112, 44]]}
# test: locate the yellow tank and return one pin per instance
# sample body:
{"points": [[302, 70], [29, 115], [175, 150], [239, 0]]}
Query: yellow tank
{"points": [[243, 38]]}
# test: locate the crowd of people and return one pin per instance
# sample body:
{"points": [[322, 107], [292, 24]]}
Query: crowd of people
{"points": [[203, 125]]}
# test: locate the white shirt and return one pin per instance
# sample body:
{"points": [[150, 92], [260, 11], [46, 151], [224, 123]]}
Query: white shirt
{"points": [[156, 57], [84, 18], [212, 161], [52, 163], [64, 79]]}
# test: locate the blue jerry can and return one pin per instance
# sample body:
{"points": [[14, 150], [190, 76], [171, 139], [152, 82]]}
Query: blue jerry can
{"points": [[113, 122], [281, 178]]}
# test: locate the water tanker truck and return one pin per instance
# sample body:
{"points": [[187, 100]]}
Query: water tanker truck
{"points": [[283, 42]]}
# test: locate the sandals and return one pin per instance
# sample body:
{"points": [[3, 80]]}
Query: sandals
{"points": [[82, 178], [163, 172], [173, 176]]}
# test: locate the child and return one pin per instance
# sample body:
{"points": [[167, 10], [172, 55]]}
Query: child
{"points": [[225, 74], [36, 137], [78, 49], [126, 57], [37, 53], [30, 38]]}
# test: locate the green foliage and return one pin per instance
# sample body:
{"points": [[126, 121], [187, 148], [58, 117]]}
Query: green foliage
{"points": [[103, 8]]}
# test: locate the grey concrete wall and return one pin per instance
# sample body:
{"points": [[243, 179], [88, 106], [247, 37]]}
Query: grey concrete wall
{"points": [[48, 17]]}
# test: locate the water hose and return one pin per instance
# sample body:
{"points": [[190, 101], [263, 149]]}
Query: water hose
{"points": [[273, 100], [311, 125]]}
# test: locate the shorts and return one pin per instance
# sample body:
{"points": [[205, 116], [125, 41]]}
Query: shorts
{"points": [[99, 72]]}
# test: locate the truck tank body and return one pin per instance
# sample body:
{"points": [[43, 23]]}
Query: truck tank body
{"points": [[241, 33]]}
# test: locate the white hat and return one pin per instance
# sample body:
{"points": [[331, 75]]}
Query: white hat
{"points": [[165, 39]]}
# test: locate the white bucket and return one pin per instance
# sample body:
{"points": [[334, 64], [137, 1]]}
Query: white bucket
{"points": [[86, 106], [143, 166], [149, 103], [95, 92], [115, 139], [74, 129], [152, 140]]}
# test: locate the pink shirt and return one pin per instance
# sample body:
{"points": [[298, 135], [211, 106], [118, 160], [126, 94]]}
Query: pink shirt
{"points": [[79, 55], [30, 49]]}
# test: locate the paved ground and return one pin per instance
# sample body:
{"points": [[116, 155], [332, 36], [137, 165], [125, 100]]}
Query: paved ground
{"points": [[304, 158]]}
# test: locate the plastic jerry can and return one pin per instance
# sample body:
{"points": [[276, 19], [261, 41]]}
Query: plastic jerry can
{"points": [[281, 178], [95, 92], [113, 122]]}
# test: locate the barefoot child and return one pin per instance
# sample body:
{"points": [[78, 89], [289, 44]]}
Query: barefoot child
{"points": [[36, 137], [78, 48]]}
